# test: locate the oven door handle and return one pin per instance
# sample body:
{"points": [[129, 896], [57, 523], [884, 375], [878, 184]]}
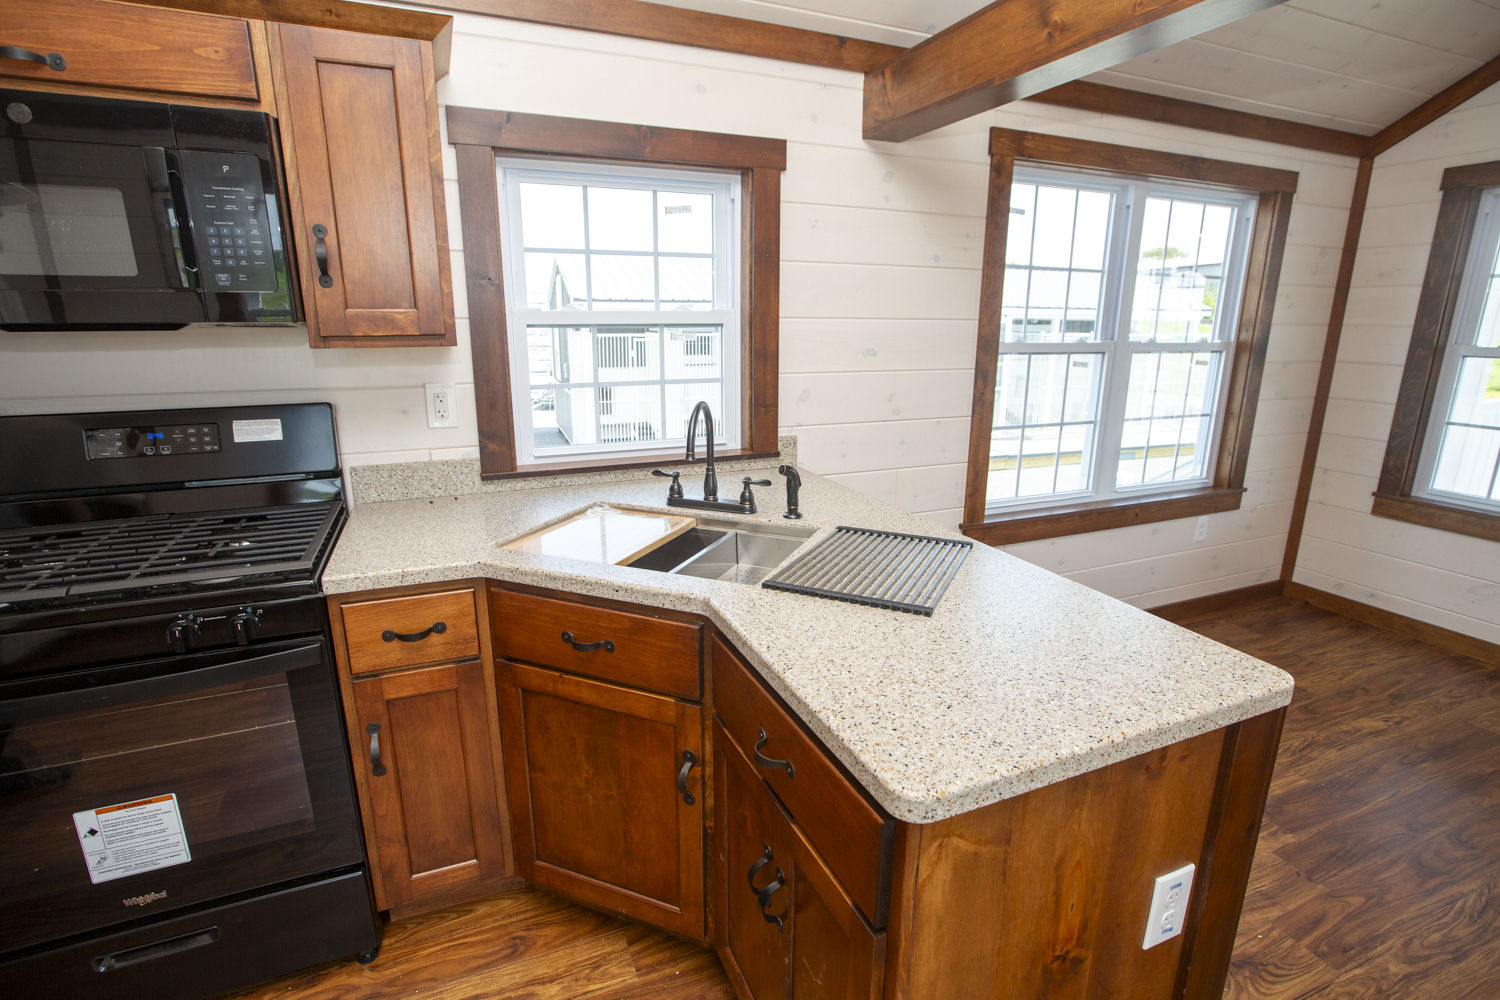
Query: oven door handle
{"points": [[106, 694]]}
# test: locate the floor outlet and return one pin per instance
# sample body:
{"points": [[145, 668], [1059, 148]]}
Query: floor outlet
{"points": [[1201, 532], [1169, 904], [440, 405]]}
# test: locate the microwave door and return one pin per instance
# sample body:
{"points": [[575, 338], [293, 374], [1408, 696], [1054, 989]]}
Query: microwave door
{"points": [[80, 241]]}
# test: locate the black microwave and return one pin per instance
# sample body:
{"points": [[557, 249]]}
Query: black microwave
{"points": [[130, 215]]}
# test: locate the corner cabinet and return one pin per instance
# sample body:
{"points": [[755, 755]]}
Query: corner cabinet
{"points": [[359, 124], [605, 781], [425, 739]]}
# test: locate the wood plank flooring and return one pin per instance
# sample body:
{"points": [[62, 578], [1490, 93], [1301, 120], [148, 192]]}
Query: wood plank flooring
{"points": [[1377, 872], [1378, 868]]}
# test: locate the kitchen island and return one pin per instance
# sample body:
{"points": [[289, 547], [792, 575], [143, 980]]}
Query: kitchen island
{"points": [[1036, 753]]}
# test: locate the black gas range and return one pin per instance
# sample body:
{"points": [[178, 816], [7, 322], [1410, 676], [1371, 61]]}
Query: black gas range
{"points": [[177, 812]]}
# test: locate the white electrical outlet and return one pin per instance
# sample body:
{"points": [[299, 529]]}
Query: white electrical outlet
{"points": [[1169, 904], [1200, 533], [440, 405]]}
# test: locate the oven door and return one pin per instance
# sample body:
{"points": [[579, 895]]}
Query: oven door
{"points": [[129, 791]]}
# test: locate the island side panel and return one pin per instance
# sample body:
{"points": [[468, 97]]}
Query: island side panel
{"points": [[1248, 759], [1046, 894]]}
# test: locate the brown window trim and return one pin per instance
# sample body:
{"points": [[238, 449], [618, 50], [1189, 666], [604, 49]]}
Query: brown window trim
{"points": [[1263, 273], [1461, 188], [479, 135]]}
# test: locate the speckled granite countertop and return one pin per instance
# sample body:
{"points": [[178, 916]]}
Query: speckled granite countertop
{"points": [[1021, 678]]}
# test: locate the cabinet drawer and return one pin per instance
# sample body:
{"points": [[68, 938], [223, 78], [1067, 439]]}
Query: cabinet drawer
{"points": [[636, 650], [838, 818], [402, 631], [135, 48]]}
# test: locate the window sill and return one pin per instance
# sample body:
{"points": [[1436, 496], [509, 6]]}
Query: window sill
{"points": [[657, 460], [1438, 515], [1101, 515]]}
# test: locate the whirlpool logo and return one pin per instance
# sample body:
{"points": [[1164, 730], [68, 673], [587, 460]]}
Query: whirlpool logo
{"points": [[142, 900]]}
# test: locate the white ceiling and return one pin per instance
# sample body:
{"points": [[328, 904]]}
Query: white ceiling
{"points": [[1355, 65]]}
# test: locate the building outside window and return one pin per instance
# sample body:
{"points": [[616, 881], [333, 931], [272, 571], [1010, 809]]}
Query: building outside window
{"points": [[623, 303], [1118, 321]]}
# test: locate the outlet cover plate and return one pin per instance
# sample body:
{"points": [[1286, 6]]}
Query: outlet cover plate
{"points": [[1169, 903], [440, 410]]}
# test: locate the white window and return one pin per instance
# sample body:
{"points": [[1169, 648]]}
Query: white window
{"points": [[1460, 461], [1117, 330], [623, 306]]}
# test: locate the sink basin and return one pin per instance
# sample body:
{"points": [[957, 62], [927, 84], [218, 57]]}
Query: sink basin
{"points": [[737, 551]]}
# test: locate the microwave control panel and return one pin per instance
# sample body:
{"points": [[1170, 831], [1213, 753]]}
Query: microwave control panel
{"points": [[231, 225], [145, 442]]}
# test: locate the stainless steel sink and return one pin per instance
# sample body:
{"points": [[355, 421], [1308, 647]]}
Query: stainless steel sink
{"points": [[738, 551]]}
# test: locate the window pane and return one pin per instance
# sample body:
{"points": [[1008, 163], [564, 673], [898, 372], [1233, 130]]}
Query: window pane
{"points": [[552, 216], [627, 353], [1046, 412], [1488, 334], [629, 413], [682, 398], [620, 219], [1055, 253], [684, 222], [687, 282], [1468, 458], [1184, 248], [556, 281], [623, 281], [1168, 417], [694, 352], [559, 354]]}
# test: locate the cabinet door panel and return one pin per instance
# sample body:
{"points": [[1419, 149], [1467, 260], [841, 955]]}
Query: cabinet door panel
{"points": [[362, 119], [749, 826], [437, 815], [593, 780], [836, 955]]}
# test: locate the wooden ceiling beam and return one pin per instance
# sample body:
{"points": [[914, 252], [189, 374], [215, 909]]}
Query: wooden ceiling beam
{"points": [[1436, 107], [1014, 49], [1087, 96]]}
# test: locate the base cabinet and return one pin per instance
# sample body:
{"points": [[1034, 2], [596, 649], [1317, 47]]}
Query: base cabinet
{"points": [[606, 796], [430, 774], [786, 926]]}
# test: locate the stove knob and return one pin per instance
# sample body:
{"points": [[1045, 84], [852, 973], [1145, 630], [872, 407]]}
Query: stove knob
{"points": [[245, 625], [184, 632]]}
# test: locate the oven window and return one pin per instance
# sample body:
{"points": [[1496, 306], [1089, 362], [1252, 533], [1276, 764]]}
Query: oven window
{"points": [[226, 787], [64, 229]]}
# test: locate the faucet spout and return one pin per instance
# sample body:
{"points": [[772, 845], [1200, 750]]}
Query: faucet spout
{"points": [[710, 478]]}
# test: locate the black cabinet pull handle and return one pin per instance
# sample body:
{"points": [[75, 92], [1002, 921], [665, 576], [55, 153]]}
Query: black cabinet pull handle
{"points": [[320, 254], [391, 635], [52, 60], [689, 761], [376, 767], [763, 896], [588, 647], [770, 763]]}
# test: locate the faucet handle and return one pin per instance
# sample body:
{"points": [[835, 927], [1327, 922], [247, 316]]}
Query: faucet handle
{"points": [[746, 496], [675, 490]]}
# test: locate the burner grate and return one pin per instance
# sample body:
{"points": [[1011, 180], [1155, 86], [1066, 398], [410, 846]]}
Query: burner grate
{"points": [[102, 556]]}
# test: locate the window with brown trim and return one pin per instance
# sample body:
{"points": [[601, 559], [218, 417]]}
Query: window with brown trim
{"points": [[1165, 270], [482, 139], [1442, 460]]}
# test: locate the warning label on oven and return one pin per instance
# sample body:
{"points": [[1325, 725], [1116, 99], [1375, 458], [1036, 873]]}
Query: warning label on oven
{"points": [[132, 837], [256, 430]]}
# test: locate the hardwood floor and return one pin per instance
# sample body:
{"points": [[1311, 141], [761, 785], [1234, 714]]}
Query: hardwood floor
{"points": [[1377, 874], [1378, 868]]}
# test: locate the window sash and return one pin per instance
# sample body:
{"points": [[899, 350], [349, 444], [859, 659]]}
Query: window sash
{"points": [[725, 314], [1112, 337], [1461, 345]]}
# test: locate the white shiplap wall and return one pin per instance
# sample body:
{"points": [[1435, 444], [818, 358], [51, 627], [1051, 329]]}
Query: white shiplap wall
{"points": [[881, 251], [1434, 576]]}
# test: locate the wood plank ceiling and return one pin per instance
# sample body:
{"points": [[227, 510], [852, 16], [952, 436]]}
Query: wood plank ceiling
{"points": [[1351, 65]]}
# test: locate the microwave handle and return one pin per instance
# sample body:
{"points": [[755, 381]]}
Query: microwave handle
{"points": [[171, 217]]}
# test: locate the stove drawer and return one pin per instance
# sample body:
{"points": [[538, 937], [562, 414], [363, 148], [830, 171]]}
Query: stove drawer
{"points": [[407, 631]]}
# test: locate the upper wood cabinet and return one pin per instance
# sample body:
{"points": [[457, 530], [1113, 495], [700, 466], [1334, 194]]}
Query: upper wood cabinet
{"points": [[112, 45], [364, 170]]}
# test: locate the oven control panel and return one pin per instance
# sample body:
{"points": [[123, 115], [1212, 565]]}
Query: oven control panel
{"points": [[231, 224], [144, 442]]}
